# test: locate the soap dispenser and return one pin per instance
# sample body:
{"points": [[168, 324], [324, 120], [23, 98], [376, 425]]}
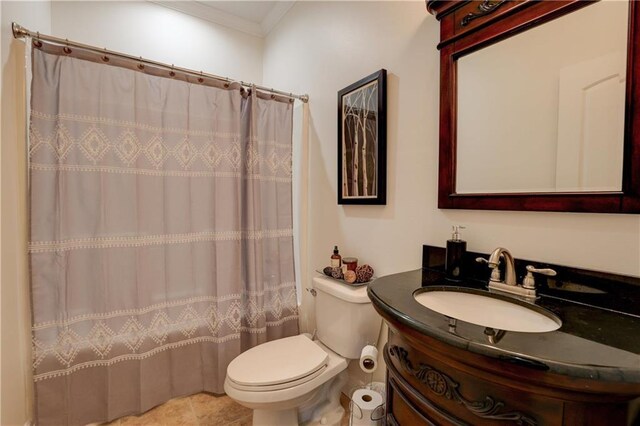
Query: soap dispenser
{"points": [[456, 248]]}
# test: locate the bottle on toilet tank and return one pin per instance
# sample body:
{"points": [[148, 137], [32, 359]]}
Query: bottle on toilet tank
{"points": [[336, 259], [456, 248]]}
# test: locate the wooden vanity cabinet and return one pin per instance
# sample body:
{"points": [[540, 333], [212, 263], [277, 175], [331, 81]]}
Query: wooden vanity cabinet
{"points": [[433, 383]]}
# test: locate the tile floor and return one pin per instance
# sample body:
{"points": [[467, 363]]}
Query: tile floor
{"points": [[202, 409]]}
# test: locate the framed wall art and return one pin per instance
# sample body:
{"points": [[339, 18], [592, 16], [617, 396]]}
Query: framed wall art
{"points": [[362, 141]]}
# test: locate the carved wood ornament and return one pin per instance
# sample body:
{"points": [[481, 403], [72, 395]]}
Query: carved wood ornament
{"points": [[443, 385], [484, 8]]}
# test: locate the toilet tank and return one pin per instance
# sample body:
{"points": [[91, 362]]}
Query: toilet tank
{"points": [[345, 318]]}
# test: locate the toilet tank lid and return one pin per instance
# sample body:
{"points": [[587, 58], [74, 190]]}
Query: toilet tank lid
{"points": [[345, 292]]}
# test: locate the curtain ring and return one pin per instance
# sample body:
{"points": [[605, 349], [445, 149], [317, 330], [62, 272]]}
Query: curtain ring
{"points": [[172, 73], [141, 65], [37, 42], [105, 58], [200, 79], [66, 49]]}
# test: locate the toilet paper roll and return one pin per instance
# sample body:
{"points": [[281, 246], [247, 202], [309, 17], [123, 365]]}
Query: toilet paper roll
{"points": [[364, 404], [369, 359]]}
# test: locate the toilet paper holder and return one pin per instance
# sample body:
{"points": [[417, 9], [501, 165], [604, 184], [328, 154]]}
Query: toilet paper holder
{"points": [[376, 415]]}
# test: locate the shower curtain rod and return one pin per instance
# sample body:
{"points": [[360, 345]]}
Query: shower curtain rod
{"points": [[21, 32]]}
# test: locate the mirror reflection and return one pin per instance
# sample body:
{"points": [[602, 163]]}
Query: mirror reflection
{"points": [[543, 111]]}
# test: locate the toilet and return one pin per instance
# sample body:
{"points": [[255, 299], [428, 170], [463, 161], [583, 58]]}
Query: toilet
{"points": [[297, 380]]}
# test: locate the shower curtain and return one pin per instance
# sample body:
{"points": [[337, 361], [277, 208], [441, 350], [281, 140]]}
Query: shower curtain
{"points": [[160, 232]]}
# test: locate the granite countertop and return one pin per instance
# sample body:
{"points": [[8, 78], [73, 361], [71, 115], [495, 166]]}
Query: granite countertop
{"points": [[594, 342]]}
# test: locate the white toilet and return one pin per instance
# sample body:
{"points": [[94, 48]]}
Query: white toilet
{"points": [[295, 380]]}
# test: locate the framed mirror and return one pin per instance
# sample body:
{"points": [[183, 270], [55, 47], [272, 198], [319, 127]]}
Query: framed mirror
{"points": [[539, 105]]}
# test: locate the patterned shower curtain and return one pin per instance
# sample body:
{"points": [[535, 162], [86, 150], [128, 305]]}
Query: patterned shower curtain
{"points": [[160, 232]]}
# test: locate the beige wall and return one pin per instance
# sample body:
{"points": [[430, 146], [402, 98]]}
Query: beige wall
{"points": [[145, 29], [16, 401], [320, 48]]}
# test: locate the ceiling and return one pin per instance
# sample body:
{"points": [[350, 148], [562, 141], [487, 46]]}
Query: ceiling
{"points": [[252, 17]]}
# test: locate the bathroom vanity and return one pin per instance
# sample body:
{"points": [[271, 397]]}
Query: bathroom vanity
{"points": [[452, 372], [539, 111]]}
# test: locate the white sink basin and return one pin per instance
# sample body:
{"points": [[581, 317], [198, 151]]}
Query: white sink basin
{"points": [[489, 311]]}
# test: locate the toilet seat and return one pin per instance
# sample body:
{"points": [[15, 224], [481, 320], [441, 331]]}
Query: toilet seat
{"points": [[278, 364], [279, 386]]}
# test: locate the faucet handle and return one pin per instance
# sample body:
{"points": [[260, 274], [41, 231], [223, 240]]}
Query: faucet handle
{"points": [[495, 271], [543, 271], [529, 281]]}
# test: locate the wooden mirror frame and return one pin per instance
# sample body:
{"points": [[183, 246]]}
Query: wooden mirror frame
{"points": [[467, 26]]}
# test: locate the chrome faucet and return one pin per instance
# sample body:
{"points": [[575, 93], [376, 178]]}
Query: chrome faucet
{"points": [[510, 268], [526, 289]]}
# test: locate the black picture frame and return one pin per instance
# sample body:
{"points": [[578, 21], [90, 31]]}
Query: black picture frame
{"points": [[357, 132]]}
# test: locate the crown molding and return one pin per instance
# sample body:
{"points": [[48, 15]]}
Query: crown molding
{"points": [[275, 15], [216, 16]]}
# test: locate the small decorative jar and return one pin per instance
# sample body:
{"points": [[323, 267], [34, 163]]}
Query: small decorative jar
{"points": [[350, 262]]}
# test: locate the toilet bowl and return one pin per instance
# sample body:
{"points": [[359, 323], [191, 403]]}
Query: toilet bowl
{"points": [[280, 390], [296, 380]]}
